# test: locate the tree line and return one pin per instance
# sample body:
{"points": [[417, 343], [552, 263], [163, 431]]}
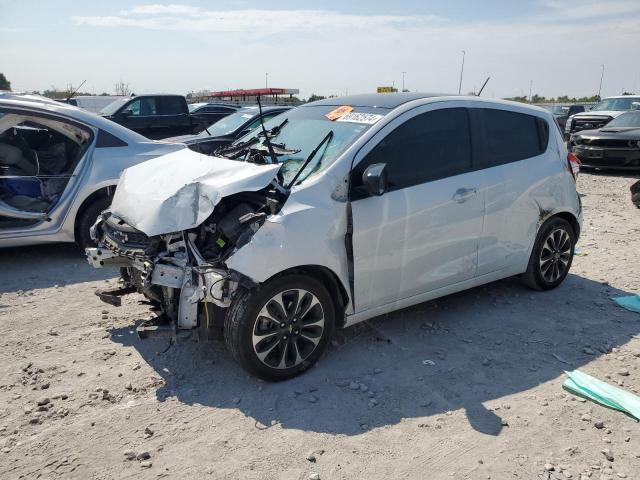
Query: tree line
{"points": [[561, 99]]}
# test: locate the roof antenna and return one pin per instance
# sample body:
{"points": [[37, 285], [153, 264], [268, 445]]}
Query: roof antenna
{"points": [[272, 154], [483, 85], [75, 91]]}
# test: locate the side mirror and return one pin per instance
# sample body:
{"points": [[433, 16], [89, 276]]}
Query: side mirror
{"points": [[126, 113], [374, 179]]}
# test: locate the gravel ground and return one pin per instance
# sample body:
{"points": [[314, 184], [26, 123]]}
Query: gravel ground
{"points": [[465, 387]]}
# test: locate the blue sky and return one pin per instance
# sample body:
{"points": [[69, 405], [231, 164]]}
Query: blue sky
{"points": [[327, 47]]}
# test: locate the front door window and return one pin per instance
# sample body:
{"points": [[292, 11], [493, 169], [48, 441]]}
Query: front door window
{"points": [[37, 160]]}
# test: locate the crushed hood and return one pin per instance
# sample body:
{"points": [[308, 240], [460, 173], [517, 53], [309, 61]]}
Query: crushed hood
{"points": [[178, 191]]}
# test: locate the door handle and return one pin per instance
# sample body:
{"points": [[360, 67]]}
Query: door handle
{"points": [[464, 194]]}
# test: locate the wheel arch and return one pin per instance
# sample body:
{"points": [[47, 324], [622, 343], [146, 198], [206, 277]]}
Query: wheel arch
{"points": [[569, 217], [328, 278], [104, 192]]}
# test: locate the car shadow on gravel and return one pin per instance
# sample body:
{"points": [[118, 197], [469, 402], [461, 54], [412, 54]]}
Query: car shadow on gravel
{"points": [[56, 264], [466, 351]]}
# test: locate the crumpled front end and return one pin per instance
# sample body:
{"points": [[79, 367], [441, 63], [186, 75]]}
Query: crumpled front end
{"points": [[173, 223], [181, 273]]}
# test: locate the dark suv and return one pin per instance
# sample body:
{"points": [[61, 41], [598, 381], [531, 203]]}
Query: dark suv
{"points": [[155, 116]]}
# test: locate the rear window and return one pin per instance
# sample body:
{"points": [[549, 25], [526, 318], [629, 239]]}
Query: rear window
{"points": [[172, 105], [512, 136]]}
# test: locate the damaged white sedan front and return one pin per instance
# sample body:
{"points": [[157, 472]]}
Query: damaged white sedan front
{"points": [[333, 213]]}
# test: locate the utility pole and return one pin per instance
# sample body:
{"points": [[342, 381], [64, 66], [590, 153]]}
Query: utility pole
{"points": [[403, 74], [461, 72], [266, 80], [601, 77], [530, 91]]}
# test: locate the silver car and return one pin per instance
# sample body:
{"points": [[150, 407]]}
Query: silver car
{"points": [[339, 211], [59, 166]]}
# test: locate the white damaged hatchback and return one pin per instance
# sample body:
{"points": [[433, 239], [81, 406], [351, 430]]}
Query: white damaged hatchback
{"points": [[339, 211]]}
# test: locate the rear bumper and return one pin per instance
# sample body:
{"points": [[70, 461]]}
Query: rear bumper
{"points": [[614, 158]]}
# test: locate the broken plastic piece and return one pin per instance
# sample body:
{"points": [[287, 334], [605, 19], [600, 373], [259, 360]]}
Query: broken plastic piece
{"points": [[631, 302], [603, 393], [112, 297], [159, 327]]}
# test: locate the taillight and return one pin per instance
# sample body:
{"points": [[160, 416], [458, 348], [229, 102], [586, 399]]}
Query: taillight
{"points": [[573, 163]]}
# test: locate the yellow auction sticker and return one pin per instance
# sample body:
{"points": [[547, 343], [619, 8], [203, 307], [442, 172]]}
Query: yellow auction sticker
{"points": [[339, 112]]}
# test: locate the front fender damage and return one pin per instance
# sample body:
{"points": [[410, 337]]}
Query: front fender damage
{"points": [[172, 233]]}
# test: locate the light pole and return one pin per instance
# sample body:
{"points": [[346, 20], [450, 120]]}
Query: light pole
{"points": [[403, 74], [461, 72], [601, 77], [530, 91], [266, 80]]}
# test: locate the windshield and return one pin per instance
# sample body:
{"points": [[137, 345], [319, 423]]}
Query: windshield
{"points": [[629, 119], [228, 124], [305, 129], [618, 104], [114, 106]]}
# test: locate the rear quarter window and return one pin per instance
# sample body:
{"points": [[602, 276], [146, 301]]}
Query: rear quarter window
{"points": [[106, 140], [511, 136]]}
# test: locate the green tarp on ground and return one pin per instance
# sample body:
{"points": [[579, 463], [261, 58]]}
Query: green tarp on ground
{"points": [[603, 393], [631, 302]]}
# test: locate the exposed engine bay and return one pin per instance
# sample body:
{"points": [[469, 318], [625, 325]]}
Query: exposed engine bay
{"points": [[184, 274], [175, 222], [37, 161]]}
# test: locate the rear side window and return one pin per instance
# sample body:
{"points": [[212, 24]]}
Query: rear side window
{"points": [[427, 147], [511, 136], [106, 140], [172, 105]]}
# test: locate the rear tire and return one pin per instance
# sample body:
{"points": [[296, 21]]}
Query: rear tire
{"points": [[281, 329], [87, 218], [551, 256]]}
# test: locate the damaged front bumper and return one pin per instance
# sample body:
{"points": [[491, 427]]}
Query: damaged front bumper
{"points": [[175, 277]]}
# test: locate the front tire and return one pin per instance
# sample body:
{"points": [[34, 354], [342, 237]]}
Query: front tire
{"points": [[551, 256], [281, 329], [87, 218]]}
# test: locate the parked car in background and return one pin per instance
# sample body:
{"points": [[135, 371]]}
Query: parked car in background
{"points": [[616, 145], [155, 116], [346, 209], [59, 166], [562, 112], [210, 113], [93, 103], [225, 131], [635, 194], [601, 114]]}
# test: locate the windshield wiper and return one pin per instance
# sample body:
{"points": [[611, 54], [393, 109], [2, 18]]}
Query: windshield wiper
{"points": [[232, 149], [326, 139], [275, 131], [266, 136]]}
